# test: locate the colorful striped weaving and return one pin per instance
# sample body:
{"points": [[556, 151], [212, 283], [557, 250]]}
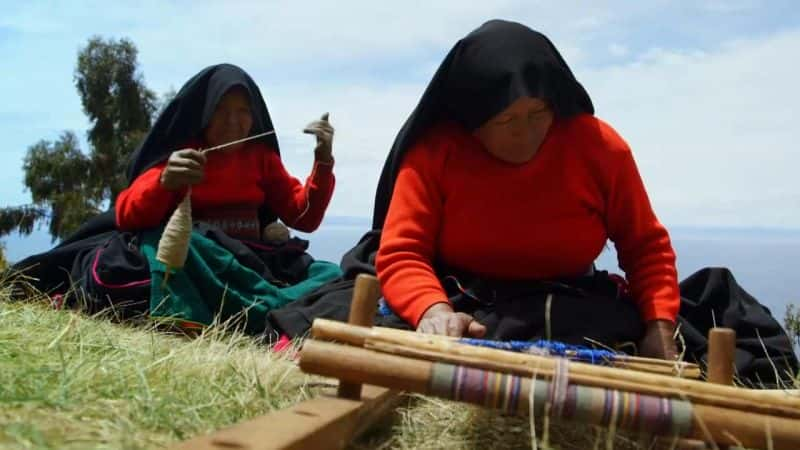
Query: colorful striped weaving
{"points": [[510, 394]]}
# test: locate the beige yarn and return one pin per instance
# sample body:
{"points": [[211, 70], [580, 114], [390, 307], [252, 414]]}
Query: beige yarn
{"points": [[173, 247], [276, 232]]}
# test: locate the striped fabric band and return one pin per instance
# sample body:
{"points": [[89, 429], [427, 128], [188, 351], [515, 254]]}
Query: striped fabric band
{"points": [[510, 393]]}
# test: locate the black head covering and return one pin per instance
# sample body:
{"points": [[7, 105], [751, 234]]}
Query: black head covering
{"points": [[482, 75], [189, 112]]}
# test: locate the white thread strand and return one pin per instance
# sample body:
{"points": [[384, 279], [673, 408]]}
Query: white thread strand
{"points": [[531, 410], [238, 141], [559, 387], [548, 303]]}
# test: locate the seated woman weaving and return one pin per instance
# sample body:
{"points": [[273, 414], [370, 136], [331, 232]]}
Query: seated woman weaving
{"points": [[502, 180]]}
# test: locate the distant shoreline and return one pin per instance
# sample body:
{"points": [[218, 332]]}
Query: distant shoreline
{"points": [[18, 247]]}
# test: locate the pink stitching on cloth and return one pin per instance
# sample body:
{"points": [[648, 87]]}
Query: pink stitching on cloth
{"points": [[113, 286]]}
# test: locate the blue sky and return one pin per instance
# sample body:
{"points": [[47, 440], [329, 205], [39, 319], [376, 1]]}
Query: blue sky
{"points": [[704, 91]]}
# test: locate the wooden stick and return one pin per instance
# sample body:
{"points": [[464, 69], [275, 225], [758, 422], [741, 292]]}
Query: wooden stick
{"points": [[666, 369], [680, 365], [721, 347], [322, 422], [238, 141], [581, 373], [710, 423], [363, 306]]}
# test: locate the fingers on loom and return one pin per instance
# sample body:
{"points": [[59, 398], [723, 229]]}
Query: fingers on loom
{"points": [[476, 329], [455, 326]]}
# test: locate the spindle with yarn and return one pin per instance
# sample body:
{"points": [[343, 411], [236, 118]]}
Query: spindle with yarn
{"points": [[173, 246]]}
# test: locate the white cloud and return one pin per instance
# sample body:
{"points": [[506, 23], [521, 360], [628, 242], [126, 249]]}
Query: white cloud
{"points": [[713, 131], [728, 6], [618, 50]]}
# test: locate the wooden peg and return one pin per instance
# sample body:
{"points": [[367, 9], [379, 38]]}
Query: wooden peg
{"points": [[721, 347], [363, 307]]}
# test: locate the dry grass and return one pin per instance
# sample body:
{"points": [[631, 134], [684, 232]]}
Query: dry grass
{"points": [[69, 381]]}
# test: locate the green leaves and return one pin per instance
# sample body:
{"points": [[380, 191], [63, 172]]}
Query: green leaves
{"points": [[117, 103], [67, 185]]}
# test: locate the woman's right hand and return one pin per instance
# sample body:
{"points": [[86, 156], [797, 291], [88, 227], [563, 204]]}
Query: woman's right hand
{"points": [[441, 319], [184, 168]]}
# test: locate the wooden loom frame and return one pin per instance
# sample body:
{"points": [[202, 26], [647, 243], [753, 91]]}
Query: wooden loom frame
{"points": [[333, 422]]}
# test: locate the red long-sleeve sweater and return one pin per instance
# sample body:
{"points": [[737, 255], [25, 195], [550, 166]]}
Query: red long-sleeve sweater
{"points": [[236, 183], [549, 217]]}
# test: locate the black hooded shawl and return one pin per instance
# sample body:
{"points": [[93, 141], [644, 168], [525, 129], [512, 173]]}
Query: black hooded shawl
{"points": [[483, 74], [188, 114]]}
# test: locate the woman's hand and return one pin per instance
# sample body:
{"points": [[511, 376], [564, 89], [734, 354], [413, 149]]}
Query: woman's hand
{"points": [[323, 130], [441, 319], [184, 168], [658, 341]]}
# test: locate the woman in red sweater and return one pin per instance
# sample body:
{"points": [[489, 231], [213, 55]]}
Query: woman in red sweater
{"points": [[239, 189], [503, 173]]}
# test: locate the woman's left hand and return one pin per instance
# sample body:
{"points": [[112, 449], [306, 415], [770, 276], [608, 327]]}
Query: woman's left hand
{"points": [[323, 130], [658, 341]]}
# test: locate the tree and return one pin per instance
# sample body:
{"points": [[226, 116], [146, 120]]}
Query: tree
{"points": [[67, 185]]}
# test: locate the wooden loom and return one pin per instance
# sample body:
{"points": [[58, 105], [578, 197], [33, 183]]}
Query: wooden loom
{"points": [[401, 361]]}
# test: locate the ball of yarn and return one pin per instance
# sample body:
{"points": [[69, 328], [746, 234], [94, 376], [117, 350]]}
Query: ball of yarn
{"points": [[276, 232], [173, 247]]}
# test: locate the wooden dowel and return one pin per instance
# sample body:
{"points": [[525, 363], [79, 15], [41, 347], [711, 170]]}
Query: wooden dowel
{"points": [[710, 423], [721, 348], [592, 375], [657, 368], [363, 306], [681, 365]]}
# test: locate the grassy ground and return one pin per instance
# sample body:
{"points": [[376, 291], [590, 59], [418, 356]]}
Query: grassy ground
{"points": [[69, 381]]}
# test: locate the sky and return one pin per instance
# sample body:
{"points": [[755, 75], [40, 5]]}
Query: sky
{"points": [[703, 91]]}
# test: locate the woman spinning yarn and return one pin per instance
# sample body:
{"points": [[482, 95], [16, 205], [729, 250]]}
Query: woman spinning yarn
{"points": [[221, 105], [213, 151], [503, 174]]}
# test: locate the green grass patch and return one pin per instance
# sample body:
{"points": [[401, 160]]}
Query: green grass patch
{"points": [[71, 381]]}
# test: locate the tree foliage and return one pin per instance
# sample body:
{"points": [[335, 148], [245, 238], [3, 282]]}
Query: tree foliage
{"points": [[69, 186]]}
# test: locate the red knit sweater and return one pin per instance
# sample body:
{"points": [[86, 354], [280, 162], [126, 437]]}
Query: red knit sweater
{"points": [[549, 217], [236, 183]]}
